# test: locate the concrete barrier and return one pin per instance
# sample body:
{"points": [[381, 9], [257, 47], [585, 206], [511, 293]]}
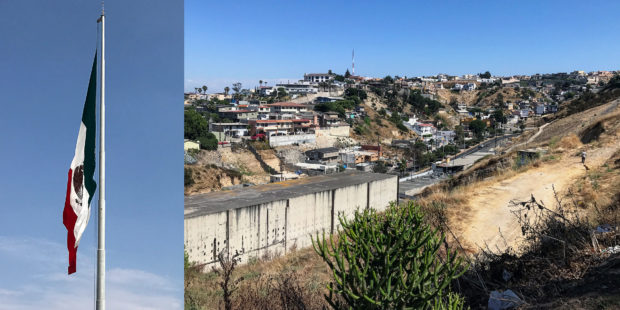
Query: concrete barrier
{"points": [[269, 220], [291, 139]]}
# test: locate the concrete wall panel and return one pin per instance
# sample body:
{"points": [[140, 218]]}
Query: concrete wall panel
{"points": [[275, 227], [348, 199], [306, 215], [205, 237]]}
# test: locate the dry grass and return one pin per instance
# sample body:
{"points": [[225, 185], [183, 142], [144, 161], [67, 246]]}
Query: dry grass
{"points": [[570, 141], [598, 192], [294, 281]]}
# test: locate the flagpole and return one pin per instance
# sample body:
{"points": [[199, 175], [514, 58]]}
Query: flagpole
{"points": [[100, 301]]}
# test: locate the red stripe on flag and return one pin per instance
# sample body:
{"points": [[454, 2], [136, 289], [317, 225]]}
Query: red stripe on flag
{"points": [[69, 218]]}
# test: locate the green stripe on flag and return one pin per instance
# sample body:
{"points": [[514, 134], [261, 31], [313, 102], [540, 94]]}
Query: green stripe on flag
{"points": [[89, 118]]}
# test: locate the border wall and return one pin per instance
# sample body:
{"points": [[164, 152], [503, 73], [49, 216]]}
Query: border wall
{"points": [[269, 220]]}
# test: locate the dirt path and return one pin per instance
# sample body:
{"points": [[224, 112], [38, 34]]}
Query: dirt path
{"points": [[490, 213], [540, 130]]}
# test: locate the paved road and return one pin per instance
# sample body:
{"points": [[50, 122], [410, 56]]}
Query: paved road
{"points": [[410, 188]]}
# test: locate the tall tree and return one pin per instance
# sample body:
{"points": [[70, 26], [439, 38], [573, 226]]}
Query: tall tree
{"points": [[281, 92], [347, 74], [204, 88], [226, 90], [195, 125], [260, 82], [477, 127], [237, 88]]}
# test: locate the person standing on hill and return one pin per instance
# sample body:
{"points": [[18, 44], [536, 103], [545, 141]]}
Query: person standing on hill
{"points": [[583, 157]]}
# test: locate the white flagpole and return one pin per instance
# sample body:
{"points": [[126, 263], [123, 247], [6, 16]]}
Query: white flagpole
{"points": [[100, 303]]}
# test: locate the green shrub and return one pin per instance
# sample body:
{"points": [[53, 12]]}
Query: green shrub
{"points": [[402, 127], [195, 125], [208, 142], [389, 261]]}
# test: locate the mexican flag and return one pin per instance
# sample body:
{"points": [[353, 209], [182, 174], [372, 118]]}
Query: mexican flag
{"points": [[81, 185]]}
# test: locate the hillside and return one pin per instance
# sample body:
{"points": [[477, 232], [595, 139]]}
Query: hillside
{"points": [[498, 210], [478, 217], [226, 167], [486, 98], [484, 192], [376, 127]]}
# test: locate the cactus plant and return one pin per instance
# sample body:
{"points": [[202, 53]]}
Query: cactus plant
{"points": [[388, 260]]}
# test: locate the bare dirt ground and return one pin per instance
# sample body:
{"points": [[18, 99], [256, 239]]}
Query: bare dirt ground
{"points": [[489, 221], [470, 98], [382, 131], [226, 167]]}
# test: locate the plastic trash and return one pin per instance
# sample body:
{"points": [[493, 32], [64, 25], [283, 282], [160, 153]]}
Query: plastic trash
{"points": [[604, 228], [612, 249], [503, 300]]}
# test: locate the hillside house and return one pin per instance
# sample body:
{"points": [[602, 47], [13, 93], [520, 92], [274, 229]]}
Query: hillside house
{"points": [[425, 130], [287, 107], [540, 109], [327, 99], [237, 115], [329, 119], [282, 126], [376, 149], [266, 90], [316, 78], [298, 88], [228, 131], [444, 137], [323, 155], [469, 86]]}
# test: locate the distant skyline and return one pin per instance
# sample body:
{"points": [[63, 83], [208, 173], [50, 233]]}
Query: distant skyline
{"points": [[269, 40]]}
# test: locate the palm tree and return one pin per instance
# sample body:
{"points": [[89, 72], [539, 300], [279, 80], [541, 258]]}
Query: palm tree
{"points": [[226, 90], [204, 88], [261, 83]]}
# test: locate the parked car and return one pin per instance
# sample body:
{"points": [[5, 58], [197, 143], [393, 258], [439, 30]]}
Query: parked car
{"points": [[260, 136]]}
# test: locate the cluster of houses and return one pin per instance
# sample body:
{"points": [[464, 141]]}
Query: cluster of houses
{"points": [[312, 83], [524, 109], [280, 123]]}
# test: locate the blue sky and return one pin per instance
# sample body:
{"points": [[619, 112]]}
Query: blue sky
{"points": [[46, 55], [273, 40]]}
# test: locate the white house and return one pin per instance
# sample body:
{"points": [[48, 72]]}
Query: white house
{"points": [[298, 88], [266, 90], [443, 137], [316, 78], [425, 131], [469, 86]]}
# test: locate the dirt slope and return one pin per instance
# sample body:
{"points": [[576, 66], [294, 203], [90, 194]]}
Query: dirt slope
{"points": [[488, 204], [379, 128], [226, 167], [489, 212]]}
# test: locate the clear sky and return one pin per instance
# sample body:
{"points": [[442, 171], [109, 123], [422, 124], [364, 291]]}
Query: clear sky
{"points": [[246, 41], [46, 52]]}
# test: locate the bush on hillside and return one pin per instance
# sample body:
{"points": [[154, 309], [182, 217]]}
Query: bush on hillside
{"points": [[389, 261], [208, 142], [195, 125]]}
